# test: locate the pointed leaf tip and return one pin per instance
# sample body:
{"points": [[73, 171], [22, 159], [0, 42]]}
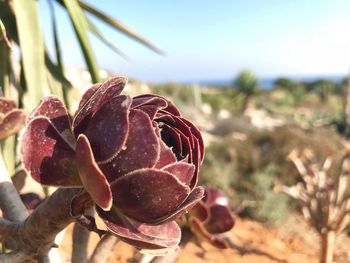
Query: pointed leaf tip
{"points": [[94, 181]]}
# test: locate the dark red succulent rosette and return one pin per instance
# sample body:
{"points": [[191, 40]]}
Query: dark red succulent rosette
{"points": [[211, 218], [137, 158], [12, 119]]}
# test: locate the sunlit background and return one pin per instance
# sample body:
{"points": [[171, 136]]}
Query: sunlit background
{"points": [[266, 82], [212, 41]]}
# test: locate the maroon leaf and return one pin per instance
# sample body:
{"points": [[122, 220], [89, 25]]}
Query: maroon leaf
{"points": [[88, 94], [141, 235], [220, 220], [142, 99], [108, 128], [149, 105], [141, 148], [149, 99], [194, 197], [176, 122], [198, 228], [197, 134], [195, 161], [104, 93], [53, 108], [47, 156], [200, 211], [6, 105], [11, 123], [166, 156], [183, 171], [148, 194], [214, 196], [93, 180], [171, 136], [31, 200]]}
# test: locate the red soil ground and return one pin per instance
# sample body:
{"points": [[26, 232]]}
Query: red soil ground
{"points": [[290, 242]]}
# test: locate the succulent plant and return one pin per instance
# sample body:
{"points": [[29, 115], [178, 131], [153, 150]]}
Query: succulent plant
{"points": [[12, 119], [212, 219], [137, 158]]}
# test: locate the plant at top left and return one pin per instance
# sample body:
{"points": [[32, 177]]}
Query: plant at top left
{"points": [[135, 160]]}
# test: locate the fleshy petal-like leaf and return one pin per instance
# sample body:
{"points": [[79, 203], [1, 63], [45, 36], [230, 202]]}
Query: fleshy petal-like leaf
{"points": [[195, 161], [53, 108], [183, 171], [194, 197], [148, 194], [141, 149], [214, 196], [108, 129], [178, 123], [141, 235], [150, 110], [12, 123], [149, 105], [166, 156], [198, 135], [171, 108], [220, 220], [31, 200], [200, 211], [47, 156], [88, 94], [93, 180], [105, 92], [171, 136], [198, 228], [149, 99], [6, 105]]}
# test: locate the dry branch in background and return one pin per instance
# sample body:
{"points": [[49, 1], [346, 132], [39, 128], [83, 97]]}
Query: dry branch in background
{"points": [[103, 249], [325, 201]]}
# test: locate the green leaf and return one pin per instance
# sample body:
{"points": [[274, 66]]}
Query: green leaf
{"points": [[32, 49], [81, 28], [99, 35], [3, 35], [55, 36], [59, 84], [119, 26], [9, 153], [4, 61]]}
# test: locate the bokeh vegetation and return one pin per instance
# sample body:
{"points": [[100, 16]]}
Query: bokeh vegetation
{"points": [[247, 151]]}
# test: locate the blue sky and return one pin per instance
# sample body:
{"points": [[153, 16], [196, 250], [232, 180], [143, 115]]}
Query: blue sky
{"points": [[214, 40]]}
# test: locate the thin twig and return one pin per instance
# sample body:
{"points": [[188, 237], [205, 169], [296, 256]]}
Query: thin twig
{"points": [[11, 204], [103, 249], [16, 257], [80, 241]]}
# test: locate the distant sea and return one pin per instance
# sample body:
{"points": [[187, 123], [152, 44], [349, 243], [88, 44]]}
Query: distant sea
{"points": [[267, 83]]}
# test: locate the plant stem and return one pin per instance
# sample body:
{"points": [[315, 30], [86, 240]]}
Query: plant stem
{"points": [[11, 204], [80, 241], [103, 249], [327, 247], [35, 235]]}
